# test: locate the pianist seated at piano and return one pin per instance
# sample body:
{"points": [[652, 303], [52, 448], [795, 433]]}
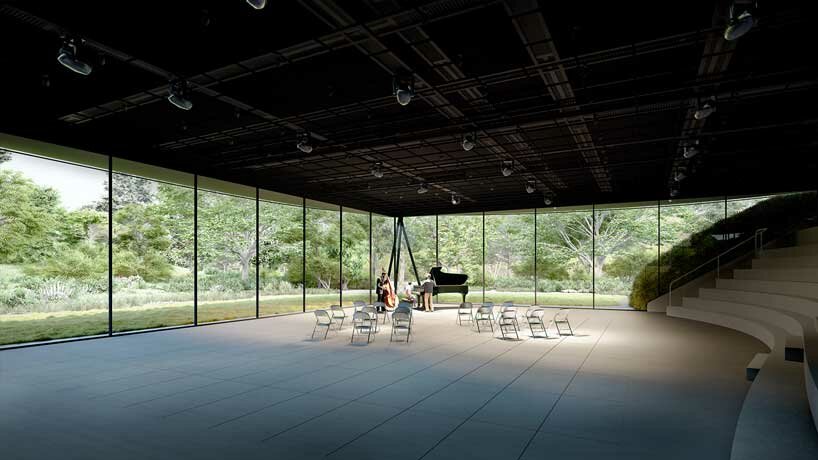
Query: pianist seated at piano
{"points": [[444, 283]]}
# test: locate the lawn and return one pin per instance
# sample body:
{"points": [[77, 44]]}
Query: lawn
{"points": [[32, 327]]}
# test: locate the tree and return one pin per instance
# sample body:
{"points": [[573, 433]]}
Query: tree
{"points": [[127, 190], [140, 239], [28, 218]]}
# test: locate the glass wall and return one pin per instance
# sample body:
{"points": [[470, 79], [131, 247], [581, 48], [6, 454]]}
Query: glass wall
{"points": [[186, 250], [281, 252], [565, 257], [382, 237], [460, 250], [625, 243], [355, 255], [53, 249], [152, 249], [226, 252], [510, 258], [323, 255]]}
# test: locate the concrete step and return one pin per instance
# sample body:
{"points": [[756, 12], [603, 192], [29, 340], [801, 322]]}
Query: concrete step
{"points": [[752, 328], [805, 275], [786, 262], [791, 251], [808, 236], [788, 331], [788, 288], [784, 303]]}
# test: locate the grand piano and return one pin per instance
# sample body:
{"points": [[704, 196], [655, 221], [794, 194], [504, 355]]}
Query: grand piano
{"points": [[445, 283]]}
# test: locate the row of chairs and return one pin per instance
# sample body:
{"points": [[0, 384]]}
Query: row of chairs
{"points": [[365, 320], [507, 322]]}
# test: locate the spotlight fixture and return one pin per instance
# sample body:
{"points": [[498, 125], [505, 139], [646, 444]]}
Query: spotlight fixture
{"points": [[177, 95], [739, 24], [468, 141], [455, 199], [403, 88], [67, 56], [257, 4], [548, 201], [705, 110], [674, 191], [377, 170], [507, 169], [691, 151], [304, 143], [530, 187], [422, 188], [679, 175]]}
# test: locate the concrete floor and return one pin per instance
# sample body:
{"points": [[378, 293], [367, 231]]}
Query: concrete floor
{"points": [[628, 385]]}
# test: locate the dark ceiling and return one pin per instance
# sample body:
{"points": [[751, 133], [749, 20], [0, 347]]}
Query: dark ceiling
{"points": [[591, 101]]}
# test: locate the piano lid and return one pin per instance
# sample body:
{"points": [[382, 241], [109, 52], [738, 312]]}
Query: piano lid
{"points": [[443, 278]]}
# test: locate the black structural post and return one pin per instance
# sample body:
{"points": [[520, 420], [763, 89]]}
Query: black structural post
{"points": [[258, 265], [110, 245], [370, 258], [303, 254], [341, 256], [658, 248], [195, 249], [437, 243], [535, 256], [593, 256], [484, 256]]}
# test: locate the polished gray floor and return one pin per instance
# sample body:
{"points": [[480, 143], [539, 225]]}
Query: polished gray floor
{"points": [[627, 385]]}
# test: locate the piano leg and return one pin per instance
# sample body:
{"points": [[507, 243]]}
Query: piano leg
{"points": [[464, 297]]}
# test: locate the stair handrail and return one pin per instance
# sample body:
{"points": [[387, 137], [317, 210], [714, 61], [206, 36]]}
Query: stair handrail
{"points": [[758, 247]]}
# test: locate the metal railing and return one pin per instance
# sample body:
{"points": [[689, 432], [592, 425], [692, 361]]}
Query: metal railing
{"points": [[758, 247]]}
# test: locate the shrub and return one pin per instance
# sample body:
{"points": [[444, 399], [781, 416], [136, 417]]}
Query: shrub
{"points": [[781, 215]]}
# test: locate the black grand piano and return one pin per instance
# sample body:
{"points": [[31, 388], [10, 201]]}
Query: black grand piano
{"points": [[445, 282]]}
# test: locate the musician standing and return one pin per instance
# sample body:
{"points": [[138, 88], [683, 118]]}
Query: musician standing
{"points": [[379, 286], [428, 289]]}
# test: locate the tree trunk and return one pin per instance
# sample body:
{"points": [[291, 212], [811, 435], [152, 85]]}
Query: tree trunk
{"points": [[599, 264]]}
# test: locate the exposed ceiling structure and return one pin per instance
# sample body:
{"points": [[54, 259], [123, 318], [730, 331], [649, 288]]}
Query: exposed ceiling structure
{"points": [[580, 102]]}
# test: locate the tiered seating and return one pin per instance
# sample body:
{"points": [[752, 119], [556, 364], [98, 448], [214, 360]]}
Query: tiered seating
{"points": [[775, 301]]}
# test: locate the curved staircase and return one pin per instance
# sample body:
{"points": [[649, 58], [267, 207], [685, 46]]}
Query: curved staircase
{"points": [[775, 301]]}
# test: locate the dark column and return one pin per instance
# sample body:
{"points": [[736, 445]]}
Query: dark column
{"points": [[370, 258], [535, 256], [258, 243], [303, 254], [195, 249], [341, 255], [484, 256], [110, 245]]}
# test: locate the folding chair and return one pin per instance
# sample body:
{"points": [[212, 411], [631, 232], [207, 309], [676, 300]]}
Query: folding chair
{"points": [[373, 314], [322, 319], [562, 318], [484, 314], [465, 310], [401, 321], [490, 305], [508, 320], [534, 316], [404, 309], [507, 306], [337, 312], [358, 304], [362, 323]]}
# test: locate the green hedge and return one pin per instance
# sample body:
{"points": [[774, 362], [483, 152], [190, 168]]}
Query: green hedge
{"points": [[781, 215]]}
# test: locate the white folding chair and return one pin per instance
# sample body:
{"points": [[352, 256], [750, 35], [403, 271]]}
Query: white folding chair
{"points": [[535, 317], [337, 313], [322, 319], [465, 311], [401, 321], [485, 315], [362, 324], [508, 320], [561, 317]]}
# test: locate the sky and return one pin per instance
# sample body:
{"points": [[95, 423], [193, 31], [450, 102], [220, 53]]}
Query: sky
{"points": [[77, 185]]}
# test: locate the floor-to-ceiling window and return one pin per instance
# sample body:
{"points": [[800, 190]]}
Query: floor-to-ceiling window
{"points": [[565, 263], [679, 221], [281, 253], [226, 251], [382, 238], [460, 242], [355, 256], [53, 248], [510, 257], [423, 241], [323, 256], [625, 246], [152, 247]]}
